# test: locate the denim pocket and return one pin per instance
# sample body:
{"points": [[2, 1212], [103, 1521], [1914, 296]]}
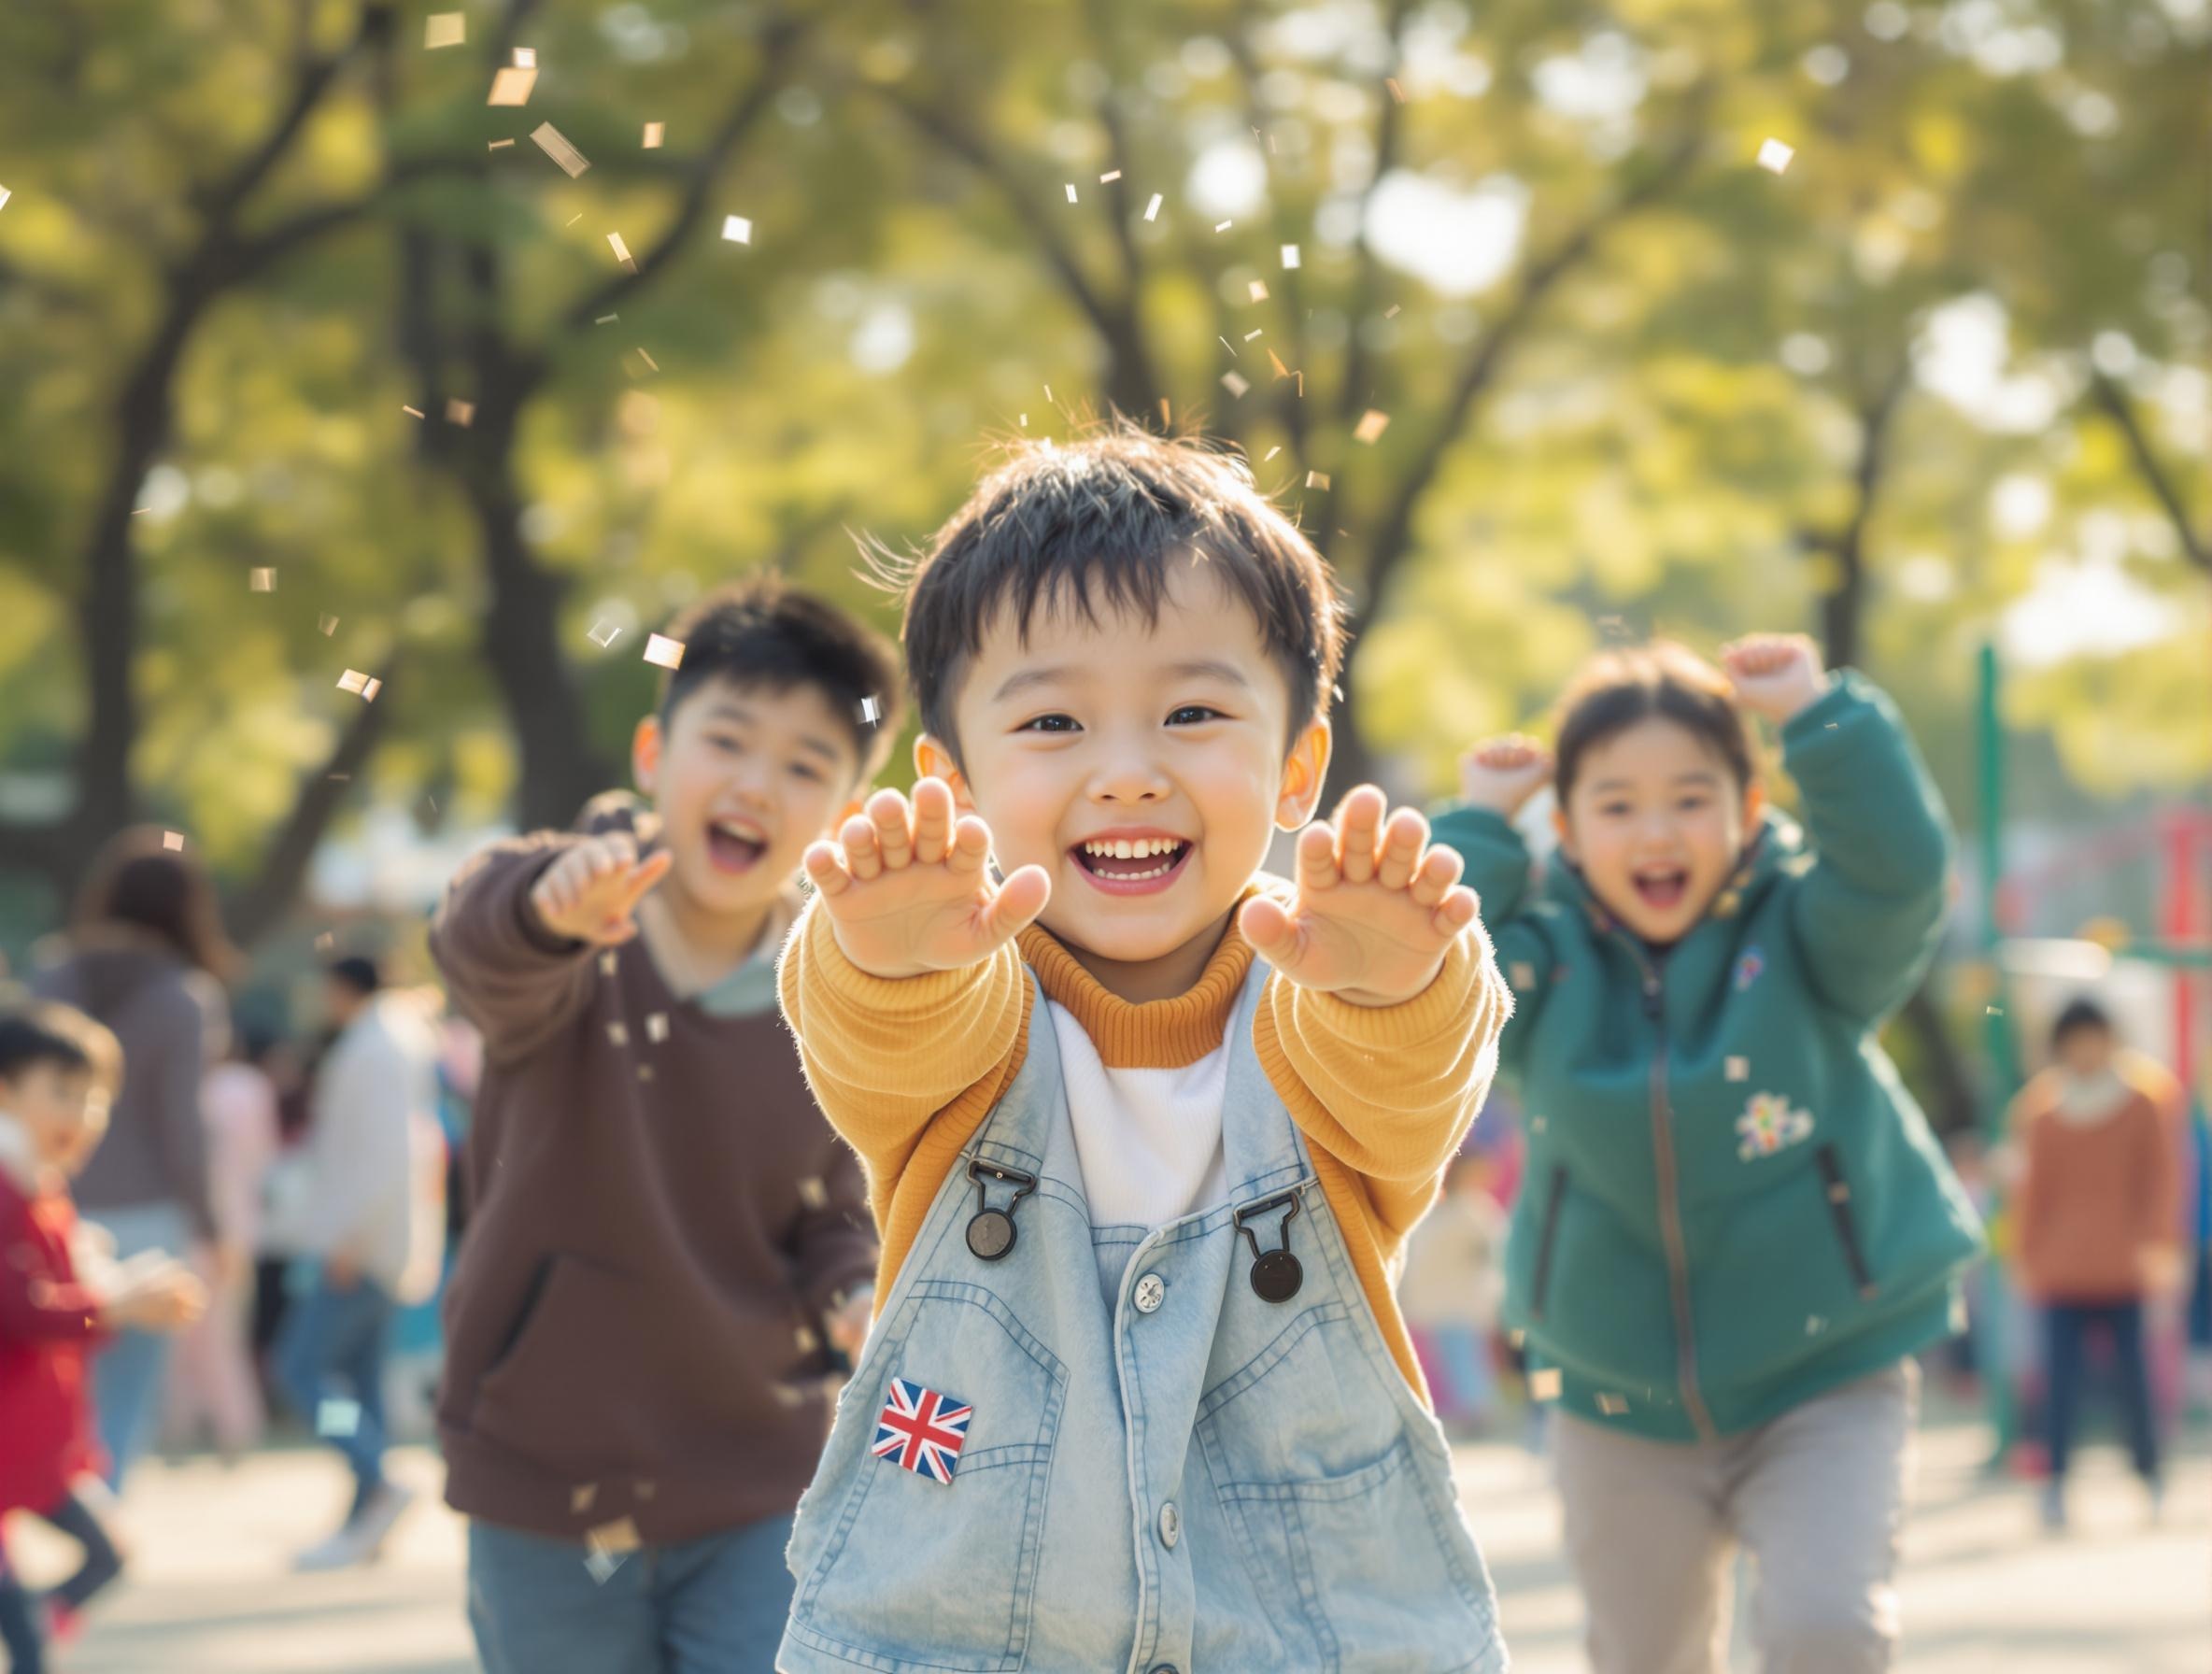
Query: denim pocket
{"points": [[914, 1573], [1375, 1566]]}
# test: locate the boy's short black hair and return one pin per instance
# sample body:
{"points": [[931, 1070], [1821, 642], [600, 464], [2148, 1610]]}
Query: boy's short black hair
{"points": [[357, 971], [763, 631], [1617, 689], [44, 1032], [1104, 517], [2079, 1013]]}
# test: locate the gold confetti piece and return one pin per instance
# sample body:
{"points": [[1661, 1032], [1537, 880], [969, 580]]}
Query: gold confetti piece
{"points": [[526, 58], [1372, 423], [550, 142], [606, 320], [1521, 974], [1048, 391], [511, 87], [173, 842], [1290, 255], [619, 1535], [328, 625], [668, 653], [444, 29], [572, 220], [1259, 291], [653, 134], [644, 1072], [1774, 156], [580, 1499], [1071, 191], [1110, 175], [607, 962], [1544, 1385], [459, 412], [657, 1027], [1391, 312], [1275, 360], [5, 195], [369, 691], [1272, 453], [736, 229], [603, 633], [1235, 385], [499, 145], [621, 251], [812, 1193], [260, 581], [1740, 1069], [806, 1339], [1151, 209], [1397, 91], [411, 412], [1222, 226], [1612, 1406], [352, 680], [618, 1034]]}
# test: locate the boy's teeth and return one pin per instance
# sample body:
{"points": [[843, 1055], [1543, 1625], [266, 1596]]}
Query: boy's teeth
{"points": [[1130, 848]]}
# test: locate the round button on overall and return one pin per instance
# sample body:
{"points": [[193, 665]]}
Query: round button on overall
{"points": [[1276, 1276], [1170, 1525], [990, 1234], [1149, 1294]]}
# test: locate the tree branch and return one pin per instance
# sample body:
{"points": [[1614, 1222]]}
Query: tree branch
{"points": [[2122, 411], [1351, 397]]}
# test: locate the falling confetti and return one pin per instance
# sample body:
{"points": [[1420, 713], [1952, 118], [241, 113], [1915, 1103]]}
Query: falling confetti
{"points": [[550, 142], [1111, 175], [623, 251], [260, 581], [580, 1499], [173, 841], [511, 87], [328, 625], [606, 320], [806, 1339], [812, 1193], [499, 145], [369, 691], [5, 195], [645, 1487], [1255, 332], [651, 364], [607, 961], [1521, 974], [600, 1566], [1290, 255], [871, 711], [1151, 209], [526, 58], [459, 412], [1391, 312], [736, 229], [1774, 156], [1814, 1324], [657, 1027], [352, 680], [1612, 1406], [1543, 1385], [1316, 479], [411, 412], [1234, 384], [668, 653], [654, 131], [618, 1034], [1738, 1069], [335, 1417], [605, 633], [1222, 226], [444, 29], [1272, 453], [1372, 423], [1397, 91], [1259, 290]]}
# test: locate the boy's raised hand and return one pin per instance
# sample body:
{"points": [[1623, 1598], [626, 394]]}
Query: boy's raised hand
{"points": [[591, 892], [1776, 674], [907, 889], [1502, 773], [1376, 907]]}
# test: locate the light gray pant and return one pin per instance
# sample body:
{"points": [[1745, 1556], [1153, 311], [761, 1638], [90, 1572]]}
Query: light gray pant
{"points": [[1818, 1498]]}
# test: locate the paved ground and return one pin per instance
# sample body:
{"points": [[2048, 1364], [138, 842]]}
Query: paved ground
{"points": [[1984, 1591]]}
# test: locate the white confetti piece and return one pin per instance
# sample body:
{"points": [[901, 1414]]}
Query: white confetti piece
{"points": [[1235, 383], [334, 1417], [1391, 312], [605, 633], [526, 58], [1259, 290], [327, 625], [1738, 1069], [621, 251], [511, 87], [1517, 1336], [1612, 1406], [1372, 423], [1071, 191], [600, 1566], [411, 412], [1544, 1385], [261, 580], [1270, 453], [651, 364], [1290, 255], [1814, 1324], [808, 1343], [618, 1034], [352, 680], [1317, 479], [458, 411], [1255, 332], [1151, 209], [1521, 974], [444, 29], [606, 320], [654, 133], [551, 141], [5, 195], [812, 1193], [1222, 226], [1774, 156], [871, 711], [736, 229], [607, 962], [499, 145], [1111, 175], [657, 1027], [369, 691], [173, 842], [668, 653]]}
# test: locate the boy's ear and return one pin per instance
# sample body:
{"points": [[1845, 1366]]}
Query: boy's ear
{"points": [[1303, 775], [646, 745], [932, 760]]}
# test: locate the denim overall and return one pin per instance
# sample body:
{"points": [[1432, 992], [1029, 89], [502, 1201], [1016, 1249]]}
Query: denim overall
{"points": [[1190, 1479]]}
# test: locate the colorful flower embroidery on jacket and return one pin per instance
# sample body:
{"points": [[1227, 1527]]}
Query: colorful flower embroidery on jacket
{"points": [[1768, 1125], [1749, 969]]}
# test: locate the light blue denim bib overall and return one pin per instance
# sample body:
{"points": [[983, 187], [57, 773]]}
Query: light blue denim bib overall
{"points": [[1202, 1483]]}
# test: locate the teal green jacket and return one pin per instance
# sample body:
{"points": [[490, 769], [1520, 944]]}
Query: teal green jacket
{"points": [[1731, 1203]]}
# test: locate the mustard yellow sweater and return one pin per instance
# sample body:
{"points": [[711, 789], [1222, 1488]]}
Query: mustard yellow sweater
{"points": [[907, 1069]]}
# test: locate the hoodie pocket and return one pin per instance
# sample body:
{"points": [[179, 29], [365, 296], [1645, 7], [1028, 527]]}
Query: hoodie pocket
{"points": [[576, 1327], [1836, 1189], [1554, 1200]]}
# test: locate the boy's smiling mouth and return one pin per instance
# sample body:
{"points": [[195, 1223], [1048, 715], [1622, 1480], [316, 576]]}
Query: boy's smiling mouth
{"points": [[1133, 862], [735, 846], [1661, 887]]}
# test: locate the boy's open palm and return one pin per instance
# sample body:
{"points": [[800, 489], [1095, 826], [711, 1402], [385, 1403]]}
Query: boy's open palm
{"points": [[590, 894], [1775, 675], [1376, 907], [1502, 773], [909, 890]]}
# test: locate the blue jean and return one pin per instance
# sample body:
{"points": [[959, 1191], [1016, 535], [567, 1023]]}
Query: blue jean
{"points": [[333, 1346], [715, 1605], [130, 1373], [2068, 1324]]}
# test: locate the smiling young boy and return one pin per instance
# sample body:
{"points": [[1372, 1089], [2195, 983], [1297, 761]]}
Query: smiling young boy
{"points": [[665, 1231], [1144, 1132]]}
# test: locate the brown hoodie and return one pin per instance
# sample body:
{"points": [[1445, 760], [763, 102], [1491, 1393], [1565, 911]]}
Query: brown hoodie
{"points": [[660, 1219]]}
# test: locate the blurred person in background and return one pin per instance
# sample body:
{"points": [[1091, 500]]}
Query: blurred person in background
{"points": [[146, 956], [2096, 1239], [346, 1204], [1451, 1291], [215, 1390], [290, 1064]]}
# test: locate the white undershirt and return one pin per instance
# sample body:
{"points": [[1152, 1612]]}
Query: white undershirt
{"points": [[1149, 1141]]}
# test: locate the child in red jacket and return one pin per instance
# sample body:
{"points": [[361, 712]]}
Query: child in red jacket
{"points": [[58, 1070]]}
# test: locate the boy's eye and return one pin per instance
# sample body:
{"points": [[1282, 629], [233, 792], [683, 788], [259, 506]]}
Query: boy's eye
{"points": [[807, 770], [1192, 715], [725, 743], [1050, 723]]}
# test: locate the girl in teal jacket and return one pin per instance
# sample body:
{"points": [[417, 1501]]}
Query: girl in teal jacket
{"points": [[1735, 1227]]}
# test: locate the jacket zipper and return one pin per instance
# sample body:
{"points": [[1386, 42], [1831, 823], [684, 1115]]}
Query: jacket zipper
{"points": [[1670, 1208], [1838, 1190], [1554, 1195]]}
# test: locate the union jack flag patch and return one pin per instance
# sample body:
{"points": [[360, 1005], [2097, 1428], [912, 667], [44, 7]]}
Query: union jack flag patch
{"points": [[922, 1431]]}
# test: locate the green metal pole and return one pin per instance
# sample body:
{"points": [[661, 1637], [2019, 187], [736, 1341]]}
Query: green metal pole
{"points": [[1998, 1038]]}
